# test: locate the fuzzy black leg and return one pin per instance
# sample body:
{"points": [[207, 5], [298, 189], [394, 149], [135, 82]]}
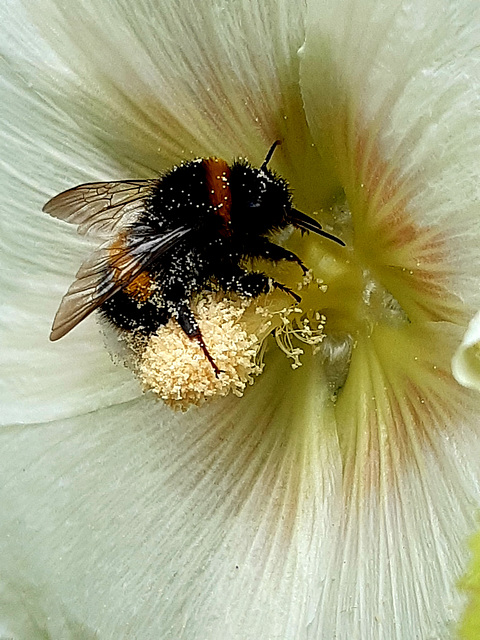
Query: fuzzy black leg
{"points": [[263, 248], [246, 283], [187, 322], [253, 284], [282, 287]]}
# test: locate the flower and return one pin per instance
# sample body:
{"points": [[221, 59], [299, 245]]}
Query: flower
{"points": [[333, 500]]}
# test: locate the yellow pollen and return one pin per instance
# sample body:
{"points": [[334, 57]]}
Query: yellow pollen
{"points": [[177, 371], [235, 331]]}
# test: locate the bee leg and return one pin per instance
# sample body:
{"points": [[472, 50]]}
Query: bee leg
{"points": [[253, 284], [187, 322], [282, 287], [274, 252], [244, 282], [292, 257]]}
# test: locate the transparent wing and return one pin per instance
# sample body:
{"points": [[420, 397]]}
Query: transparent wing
{"points": [[101, 208], [110, 268]]}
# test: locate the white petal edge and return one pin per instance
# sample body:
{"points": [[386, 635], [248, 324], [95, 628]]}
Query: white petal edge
{"points": [[466, 361]]}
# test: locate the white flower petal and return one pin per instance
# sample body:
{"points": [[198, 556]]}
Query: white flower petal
{"points": [[158, 85], [237, 520], [466, 361], [41, 380], [214, 524], [391, 95], [409, 440]]}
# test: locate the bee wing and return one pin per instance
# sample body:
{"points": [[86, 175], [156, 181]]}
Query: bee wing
{"points": [[101, 208], [110, 268]]}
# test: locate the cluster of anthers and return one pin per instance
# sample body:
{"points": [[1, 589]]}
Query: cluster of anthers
{"points": [[236, 329]]}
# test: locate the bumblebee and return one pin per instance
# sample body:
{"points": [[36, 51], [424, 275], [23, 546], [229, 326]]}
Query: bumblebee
{"points": [[167, 239]]}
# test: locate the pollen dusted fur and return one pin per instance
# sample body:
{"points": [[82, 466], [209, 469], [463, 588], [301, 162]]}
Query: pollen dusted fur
{"points": [[188, 232]]}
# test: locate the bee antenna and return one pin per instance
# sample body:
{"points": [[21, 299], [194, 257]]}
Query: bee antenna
{"points": [[270, 153]]}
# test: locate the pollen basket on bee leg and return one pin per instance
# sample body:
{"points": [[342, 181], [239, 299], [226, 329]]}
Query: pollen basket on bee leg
{"points": [[217, 177], [141, 287]]}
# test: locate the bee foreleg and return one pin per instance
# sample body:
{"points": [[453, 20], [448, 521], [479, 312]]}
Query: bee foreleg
{"points": [[253, 284], [187, 322], [244, 282], [274, 252], [281, 287]]}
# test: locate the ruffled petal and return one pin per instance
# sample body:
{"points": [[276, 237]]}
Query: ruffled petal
{"points": [[41, 380], [466, 360], [409, 440], [162, 84], [242, 518]]}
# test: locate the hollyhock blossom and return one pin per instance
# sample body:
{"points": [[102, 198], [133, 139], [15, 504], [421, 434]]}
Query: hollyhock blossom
{"points": [[334, 499]]}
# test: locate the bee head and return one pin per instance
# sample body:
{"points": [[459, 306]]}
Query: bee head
{"points": [[261, 201]]}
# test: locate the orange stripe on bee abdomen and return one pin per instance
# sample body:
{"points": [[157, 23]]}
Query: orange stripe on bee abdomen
{"points": [[141, 287], [217, 177]]}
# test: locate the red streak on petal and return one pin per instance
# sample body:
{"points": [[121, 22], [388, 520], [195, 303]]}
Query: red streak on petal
{"points": [[390, 228]]}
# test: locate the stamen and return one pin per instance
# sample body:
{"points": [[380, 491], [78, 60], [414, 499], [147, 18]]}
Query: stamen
{"points": [[307, 328]]}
